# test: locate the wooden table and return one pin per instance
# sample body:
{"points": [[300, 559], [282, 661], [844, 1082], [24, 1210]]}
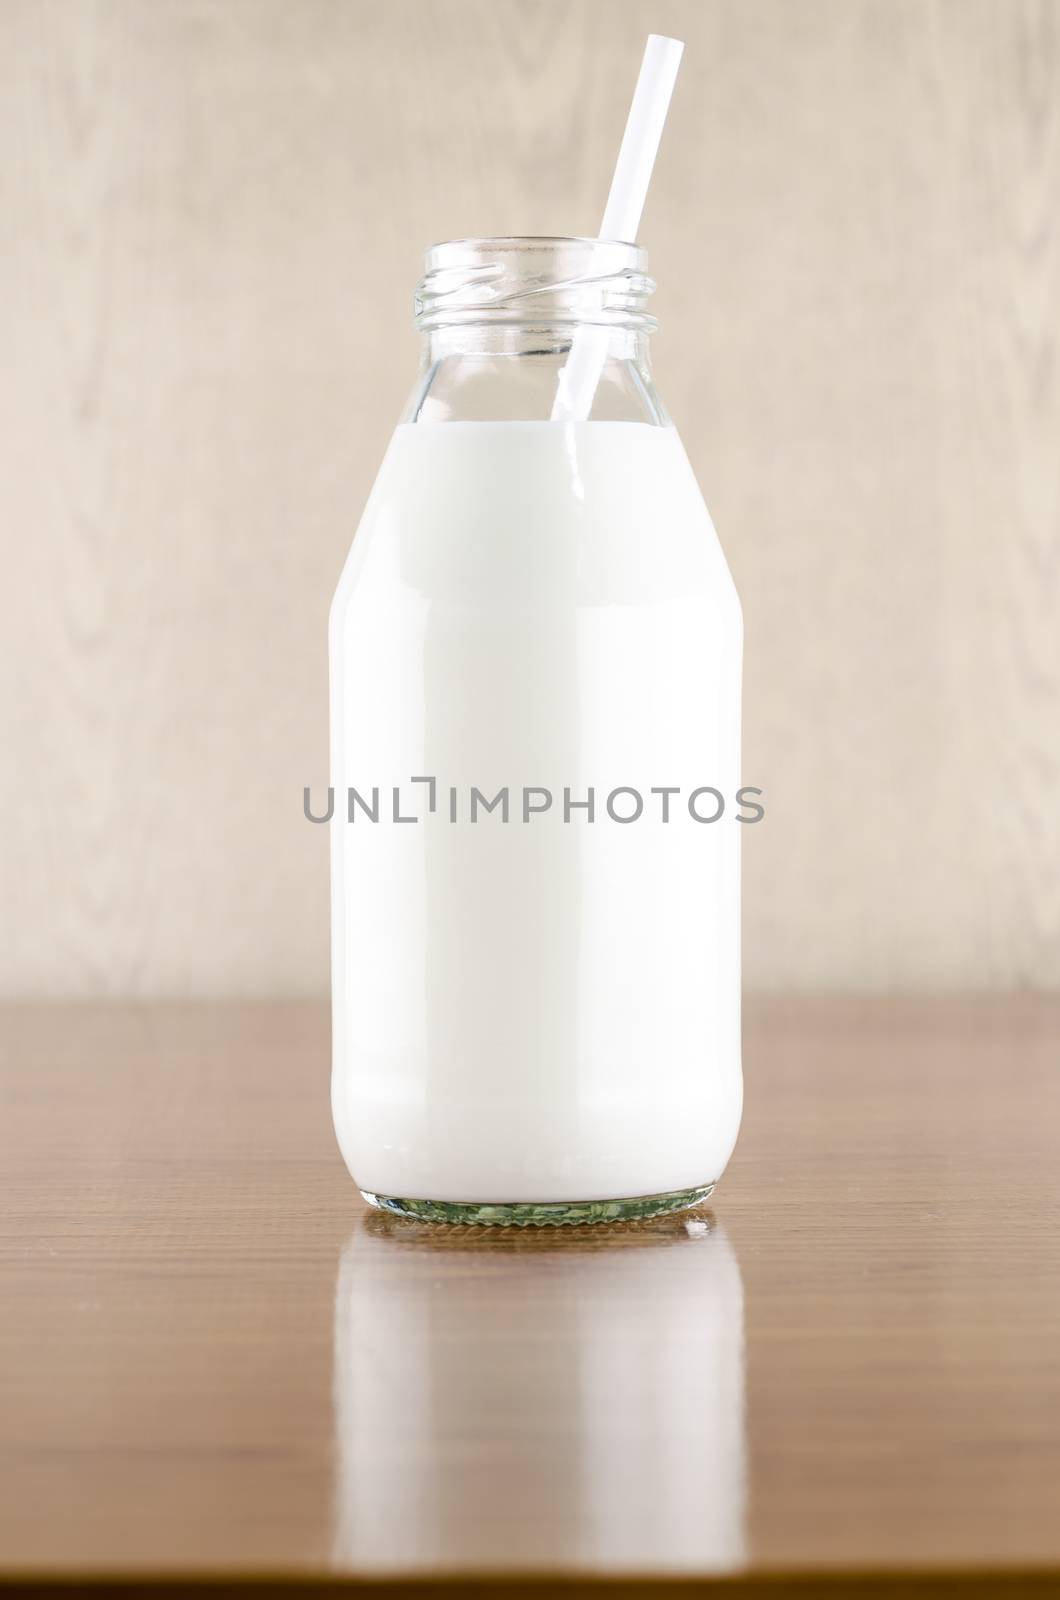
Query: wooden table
{"points": [[215, 1364]]}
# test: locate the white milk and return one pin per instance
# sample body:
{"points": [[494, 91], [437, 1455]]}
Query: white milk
{"points": [[542, 1010]]}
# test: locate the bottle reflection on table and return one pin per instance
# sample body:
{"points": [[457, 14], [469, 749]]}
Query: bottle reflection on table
{"points": [[542, 1398]]}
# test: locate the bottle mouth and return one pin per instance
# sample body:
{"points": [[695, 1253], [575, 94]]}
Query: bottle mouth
{"points": [[535, 282]]}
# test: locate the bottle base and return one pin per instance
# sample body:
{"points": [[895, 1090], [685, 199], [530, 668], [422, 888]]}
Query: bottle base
{"points": [[540, 1214]]}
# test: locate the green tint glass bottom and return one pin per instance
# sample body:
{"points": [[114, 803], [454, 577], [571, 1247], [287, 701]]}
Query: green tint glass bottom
{"points": [[529, 1214]]}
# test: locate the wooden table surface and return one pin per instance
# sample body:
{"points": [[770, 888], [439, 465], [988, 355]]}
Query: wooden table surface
{"points": [[841, 1377]]}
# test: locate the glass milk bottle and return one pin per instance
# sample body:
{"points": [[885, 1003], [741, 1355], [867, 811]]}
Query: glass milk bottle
{"points": [[535, 722]]}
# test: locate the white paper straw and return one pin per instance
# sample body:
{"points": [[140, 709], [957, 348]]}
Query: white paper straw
{"points": [[625, 203]]}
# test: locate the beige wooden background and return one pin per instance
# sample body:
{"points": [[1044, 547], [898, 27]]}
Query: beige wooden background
{"points": [[212, 216]]}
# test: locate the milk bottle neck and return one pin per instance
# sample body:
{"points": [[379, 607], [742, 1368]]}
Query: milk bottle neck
{"points": [[489, 374], [499, 318]]}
